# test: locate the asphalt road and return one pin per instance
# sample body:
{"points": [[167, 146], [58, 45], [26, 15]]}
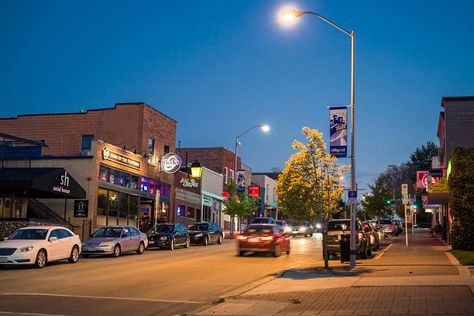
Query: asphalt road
{"points": [[159, 282]]}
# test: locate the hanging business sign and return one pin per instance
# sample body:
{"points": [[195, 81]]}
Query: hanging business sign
{"points": [[254, 191], [189, 183], [241, 180], [338, 131], [170, 163], [81, 208], [107, 154]]}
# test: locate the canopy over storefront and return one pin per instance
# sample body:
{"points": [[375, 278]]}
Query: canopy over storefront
{"points": [[438, 193], [40, 183]]}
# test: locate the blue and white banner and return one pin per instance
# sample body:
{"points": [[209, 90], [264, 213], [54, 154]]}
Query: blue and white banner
{"points": [[241, 180], [338, 131]]}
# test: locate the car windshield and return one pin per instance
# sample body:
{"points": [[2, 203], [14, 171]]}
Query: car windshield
{"points": [[385, 221], [199, 227], [339, 225], [108, 232], [29, 234], [260, 220], [262, 229], [164, 228]]}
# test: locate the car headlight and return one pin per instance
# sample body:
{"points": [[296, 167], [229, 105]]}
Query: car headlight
{"points": [[198, 235], [106, 244], [318, 226], [163, 238], [25, 249]]}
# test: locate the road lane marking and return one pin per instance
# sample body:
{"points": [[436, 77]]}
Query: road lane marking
{"points": [[383, 252], [30, 314], [103, 297]]}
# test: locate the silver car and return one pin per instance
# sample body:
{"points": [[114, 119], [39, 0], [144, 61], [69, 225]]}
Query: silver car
{"points": [[115, 240]]}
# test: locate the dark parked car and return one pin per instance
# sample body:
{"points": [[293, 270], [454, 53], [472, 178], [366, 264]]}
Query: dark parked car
{"points": [[168, 236], [341, 228], [302, 228], [263, 238], [205, 233]]}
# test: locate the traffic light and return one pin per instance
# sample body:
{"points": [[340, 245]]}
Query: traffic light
{"points": [[388, 201]]}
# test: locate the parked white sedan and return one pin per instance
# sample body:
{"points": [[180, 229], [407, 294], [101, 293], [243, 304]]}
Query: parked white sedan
{"points": [[38, 245]]}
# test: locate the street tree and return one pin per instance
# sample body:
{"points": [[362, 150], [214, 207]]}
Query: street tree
{"points": [[310, 187], [421, 158], [379, 202], [238, 204]]}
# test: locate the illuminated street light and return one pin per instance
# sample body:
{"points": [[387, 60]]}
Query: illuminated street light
{"points": [[290, 16]]}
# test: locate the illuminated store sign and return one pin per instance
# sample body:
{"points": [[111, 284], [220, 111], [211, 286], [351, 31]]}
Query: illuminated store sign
{"points": [[171, 163], [120, 159]]}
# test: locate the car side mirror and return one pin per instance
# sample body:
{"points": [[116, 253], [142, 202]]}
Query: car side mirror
{"points": [[53, 238]]}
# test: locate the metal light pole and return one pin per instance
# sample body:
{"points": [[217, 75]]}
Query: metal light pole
{"points": [[295, 14], [265, 128]]}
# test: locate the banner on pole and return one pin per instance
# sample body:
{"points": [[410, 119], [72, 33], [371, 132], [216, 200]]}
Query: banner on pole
{"points": [[338, 131], [241, 180]]}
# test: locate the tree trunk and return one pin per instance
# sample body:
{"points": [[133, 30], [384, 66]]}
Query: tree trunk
{"points": [[325, 245]]}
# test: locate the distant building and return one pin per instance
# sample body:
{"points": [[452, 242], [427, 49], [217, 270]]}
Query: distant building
{"points": [[269, 199]]}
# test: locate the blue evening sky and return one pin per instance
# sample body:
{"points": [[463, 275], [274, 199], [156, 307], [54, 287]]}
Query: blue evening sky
{"points": [[218, 67]]}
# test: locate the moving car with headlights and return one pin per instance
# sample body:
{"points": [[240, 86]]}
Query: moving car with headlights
{"points": [[169, 236], [39, 245], [115, 240], [286, 227], [263, 238], [204, 233], [339, 229], [302, 228]]}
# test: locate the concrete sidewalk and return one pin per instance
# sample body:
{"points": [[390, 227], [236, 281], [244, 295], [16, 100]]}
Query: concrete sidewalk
{"points": [[421, 279]]}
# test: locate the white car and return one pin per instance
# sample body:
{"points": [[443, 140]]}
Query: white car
{"points": [[38, 245]]}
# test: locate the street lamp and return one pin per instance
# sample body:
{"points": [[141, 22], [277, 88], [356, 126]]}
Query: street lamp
{"points": [[293, 15], [265, 128]]}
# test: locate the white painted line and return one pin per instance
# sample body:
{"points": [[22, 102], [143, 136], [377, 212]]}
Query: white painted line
{"points": [[383, 252], [30, 314], [103, 298]]}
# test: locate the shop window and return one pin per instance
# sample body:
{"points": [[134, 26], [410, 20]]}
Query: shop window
{"points": [[113, 203], [206, 216], [123, 205], [133, 207], [123, 179], [190, 212], [103, 174], [113, 176], [166, 149], [226, 175], [133, 184], [181, 210], [231, 173], [102, 202]]}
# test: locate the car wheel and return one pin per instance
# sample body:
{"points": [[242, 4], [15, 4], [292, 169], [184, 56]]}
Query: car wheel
{"points": [[117, 251], [171, 246], [363, 254], [141, 248], [369, 252], [288, 251], [220, 239], [205, 241], [311, 235], [41, 259], [74, 257], [188, 243], [277, 252]]}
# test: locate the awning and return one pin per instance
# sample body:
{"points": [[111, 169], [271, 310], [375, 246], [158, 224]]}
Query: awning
{"points": [[41, 183]]}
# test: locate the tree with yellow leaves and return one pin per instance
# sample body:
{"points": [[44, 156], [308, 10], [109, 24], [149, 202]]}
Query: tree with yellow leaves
{"points": [[310, 187]]}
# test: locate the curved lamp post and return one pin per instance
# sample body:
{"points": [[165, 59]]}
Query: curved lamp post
{"points": [[292, 15], [265, 128]]}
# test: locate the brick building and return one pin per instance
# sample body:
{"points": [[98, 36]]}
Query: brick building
{"points": [[125, 144]]}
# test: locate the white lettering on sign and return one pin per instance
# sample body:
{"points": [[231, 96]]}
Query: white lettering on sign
{"points": [[189, 183], [64, 179], [63, 184], [115, 157], [171, 163]]}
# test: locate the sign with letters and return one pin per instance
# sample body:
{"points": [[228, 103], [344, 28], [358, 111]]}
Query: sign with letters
{"points": [[170, 163], [338, 131], [107, 154], [81, 208]]}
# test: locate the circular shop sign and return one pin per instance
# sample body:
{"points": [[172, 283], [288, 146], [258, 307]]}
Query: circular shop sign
{"points": [[171, 163]]}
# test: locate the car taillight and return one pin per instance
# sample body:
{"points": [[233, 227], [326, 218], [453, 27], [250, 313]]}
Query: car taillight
{"points": [[359, 236], [240, 237]]}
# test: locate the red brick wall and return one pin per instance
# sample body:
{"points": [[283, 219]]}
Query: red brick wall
{"points": [[215, 158]]}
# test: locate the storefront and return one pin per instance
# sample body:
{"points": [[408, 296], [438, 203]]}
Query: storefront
{"points": [[188, 199]]}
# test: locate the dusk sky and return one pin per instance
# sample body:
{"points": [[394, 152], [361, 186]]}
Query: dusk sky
{"points": [[219, 67]]}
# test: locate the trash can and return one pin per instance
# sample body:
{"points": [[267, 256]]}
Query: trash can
{"points": [[345, 248]]}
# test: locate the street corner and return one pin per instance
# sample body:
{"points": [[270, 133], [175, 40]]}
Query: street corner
{"points": [[239, 306]]}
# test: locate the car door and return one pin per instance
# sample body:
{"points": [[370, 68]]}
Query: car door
{"points": [[211, 231], [126, 239], [54, 246], [135, 242], [66, 244], [181, 236]]}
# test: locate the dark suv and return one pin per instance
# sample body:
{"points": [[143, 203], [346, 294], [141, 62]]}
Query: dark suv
{"points": [[168, 236], [341, 228], [204, 233]]}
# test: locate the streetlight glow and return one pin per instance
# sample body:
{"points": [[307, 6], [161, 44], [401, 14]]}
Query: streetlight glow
{"points": [[265, 128], [287, 17]]}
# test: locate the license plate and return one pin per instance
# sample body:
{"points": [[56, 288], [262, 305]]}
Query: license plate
{"points": [[151, 242], [3, 259], [254, 239]]}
